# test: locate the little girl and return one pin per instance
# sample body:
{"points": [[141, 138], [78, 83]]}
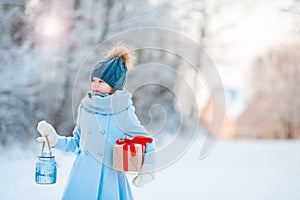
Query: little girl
{"points": [[104, 115]]}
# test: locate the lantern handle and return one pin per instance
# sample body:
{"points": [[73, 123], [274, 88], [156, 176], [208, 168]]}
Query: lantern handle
{"points": [[48, 144]]}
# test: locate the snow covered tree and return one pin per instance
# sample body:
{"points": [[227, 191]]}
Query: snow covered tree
{"points": [[18, 83], [276, 78]]}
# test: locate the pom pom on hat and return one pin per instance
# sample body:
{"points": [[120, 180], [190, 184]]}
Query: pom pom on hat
{"points": [[123, 51]]}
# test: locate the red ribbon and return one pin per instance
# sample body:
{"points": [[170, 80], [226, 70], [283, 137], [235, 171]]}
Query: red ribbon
{"points": [[130, 142]]}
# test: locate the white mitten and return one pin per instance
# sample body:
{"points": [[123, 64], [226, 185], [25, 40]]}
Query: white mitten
{"points": [[144, 177], [47, 129]]}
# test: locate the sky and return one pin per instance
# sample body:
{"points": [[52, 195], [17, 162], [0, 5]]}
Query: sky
{"points": [[238, 31]]}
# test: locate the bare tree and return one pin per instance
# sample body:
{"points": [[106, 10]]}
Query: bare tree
{"points": [[277, 79]]}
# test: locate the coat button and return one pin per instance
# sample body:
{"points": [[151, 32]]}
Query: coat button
{"points": [[103, 132], [101, 153], [89, 131]]}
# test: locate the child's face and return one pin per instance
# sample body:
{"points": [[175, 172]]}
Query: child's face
{"points": [[100, 86]]}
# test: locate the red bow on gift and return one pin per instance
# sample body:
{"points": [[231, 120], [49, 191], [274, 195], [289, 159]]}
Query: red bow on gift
{"points": [[130, 142]]}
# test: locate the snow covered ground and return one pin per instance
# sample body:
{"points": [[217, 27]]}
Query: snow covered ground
{"points": [[235, 170]]}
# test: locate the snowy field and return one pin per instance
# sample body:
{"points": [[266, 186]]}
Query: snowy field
{"points": [[235, 170]]}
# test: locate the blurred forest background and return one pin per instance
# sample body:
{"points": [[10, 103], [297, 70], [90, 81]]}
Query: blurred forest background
{"points": [[254, 45]]}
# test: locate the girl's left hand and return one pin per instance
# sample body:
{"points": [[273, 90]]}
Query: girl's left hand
{"points": [[144, 177]]}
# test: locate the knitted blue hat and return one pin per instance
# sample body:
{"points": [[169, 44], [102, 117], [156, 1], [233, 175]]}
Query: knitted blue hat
{"points": [[113, 69]]}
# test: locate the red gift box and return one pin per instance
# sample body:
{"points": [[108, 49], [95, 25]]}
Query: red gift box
{"points": [[128, 154]]}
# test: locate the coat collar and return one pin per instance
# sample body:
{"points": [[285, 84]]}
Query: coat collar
{"points": [[107, 104]]}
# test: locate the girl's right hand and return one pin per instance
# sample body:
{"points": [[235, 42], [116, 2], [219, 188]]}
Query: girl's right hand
{"points": [[46, 129]]}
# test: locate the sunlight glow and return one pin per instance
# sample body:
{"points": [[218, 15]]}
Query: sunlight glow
{"points": [[50, 26]]}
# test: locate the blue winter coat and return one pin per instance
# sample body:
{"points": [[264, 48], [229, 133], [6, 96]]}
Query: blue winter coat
{"points": [[101, 120]]}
